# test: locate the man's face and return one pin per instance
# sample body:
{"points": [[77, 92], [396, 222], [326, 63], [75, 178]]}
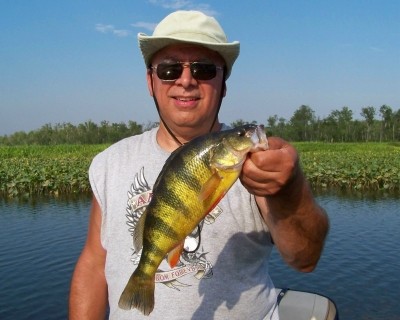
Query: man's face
{"points": [[187, 102]]}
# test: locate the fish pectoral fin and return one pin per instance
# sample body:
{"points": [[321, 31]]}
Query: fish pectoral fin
{"points": [[174, 255], [210, 186]]}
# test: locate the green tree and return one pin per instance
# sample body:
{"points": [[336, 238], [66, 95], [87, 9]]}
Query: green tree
{"points": [[134, 128], [241, 122], [272, 125], [396, 125], [386, 114], [88, 132], [345, 119], [369, 115], [150, 125], [328, 128], [302, 122], [282, 125]]}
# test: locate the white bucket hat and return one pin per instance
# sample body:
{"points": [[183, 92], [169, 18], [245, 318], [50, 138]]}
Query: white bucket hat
{"points": [[189, 27]]}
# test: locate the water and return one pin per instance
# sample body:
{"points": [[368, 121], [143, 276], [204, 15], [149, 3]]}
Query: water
{"points": [[40, 243], [360, 267]]}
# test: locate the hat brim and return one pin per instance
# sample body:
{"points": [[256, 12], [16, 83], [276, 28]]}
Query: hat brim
{"points": [[149, 45]]}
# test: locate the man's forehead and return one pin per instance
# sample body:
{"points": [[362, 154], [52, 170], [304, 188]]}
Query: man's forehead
{"points": [[187, 52]]}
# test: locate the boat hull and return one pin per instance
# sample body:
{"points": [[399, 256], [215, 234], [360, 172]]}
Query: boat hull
{"points": [[301, 305]]}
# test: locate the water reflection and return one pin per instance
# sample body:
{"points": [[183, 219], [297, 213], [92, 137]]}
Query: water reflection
{"points": [[357, 195]]}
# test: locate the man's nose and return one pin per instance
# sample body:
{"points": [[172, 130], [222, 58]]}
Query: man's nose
{"points": [[186, 79]]}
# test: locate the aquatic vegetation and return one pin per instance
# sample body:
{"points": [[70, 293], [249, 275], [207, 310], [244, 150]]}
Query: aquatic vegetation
{"points": [[45, 170], [356, 166], [62, 169]]}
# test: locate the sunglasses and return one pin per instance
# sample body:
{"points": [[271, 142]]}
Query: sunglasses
{"points": [[172, 71]]}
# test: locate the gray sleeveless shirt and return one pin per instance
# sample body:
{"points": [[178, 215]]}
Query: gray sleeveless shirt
{"points": [[223, 274]]}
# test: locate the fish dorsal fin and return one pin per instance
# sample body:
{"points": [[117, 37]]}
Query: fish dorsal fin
{"points": [[210, 186], [138, 233], [175, 254]]}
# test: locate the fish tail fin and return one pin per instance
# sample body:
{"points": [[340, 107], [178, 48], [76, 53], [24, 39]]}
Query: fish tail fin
{"points": [[139, 294]]}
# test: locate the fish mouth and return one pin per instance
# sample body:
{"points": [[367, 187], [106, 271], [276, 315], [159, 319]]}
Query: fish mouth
{"points": [[259, 139]]}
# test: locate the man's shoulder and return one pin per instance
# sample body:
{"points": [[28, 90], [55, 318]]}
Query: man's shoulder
{"points": [[128, 144], [125, 148]]}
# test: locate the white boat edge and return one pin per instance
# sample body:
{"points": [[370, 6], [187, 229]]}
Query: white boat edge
{"points": [[303, 305]]}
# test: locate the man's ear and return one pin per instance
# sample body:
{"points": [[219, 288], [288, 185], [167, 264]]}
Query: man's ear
{"points": [[224, 89], [149, 78]]}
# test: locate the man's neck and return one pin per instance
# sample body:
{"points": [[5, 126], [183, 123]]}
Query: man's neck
{"points": [[169, 143]]}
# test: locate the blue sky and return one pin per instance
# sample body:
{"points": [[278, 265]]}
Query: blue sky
{"points": [[73, 61]]}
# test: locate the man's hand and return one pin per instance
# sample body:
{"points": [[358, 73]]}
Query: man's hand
{"points": [[298, 225], [267, 172]]}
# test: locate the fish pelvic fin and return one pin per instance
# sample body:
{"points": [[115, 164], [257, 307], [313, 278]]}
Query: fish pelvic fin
{"points": [[210, 186], [175, 254], [139, 294]]}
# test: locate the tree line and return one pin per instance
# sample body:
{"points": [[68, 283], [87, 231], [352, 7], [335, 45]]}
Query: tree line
{"points": [[376, 124], [88, 132]]}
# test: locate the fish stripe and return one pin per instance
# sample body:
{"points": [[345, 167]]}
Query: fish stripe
{"points": [[162, 226], [174, 201], [190, 173]]}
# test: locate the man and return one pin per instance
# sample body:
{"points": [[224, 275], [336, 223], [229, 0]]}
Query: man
{"points": [[223, 272]]}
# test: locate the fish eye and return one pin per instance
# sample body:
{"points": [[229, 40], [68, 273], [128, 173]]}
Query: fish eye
{"points": [[241, 133]]}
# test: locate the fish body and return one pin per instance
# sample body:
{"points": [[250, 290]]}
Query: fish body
{"points": [[193, 180]]}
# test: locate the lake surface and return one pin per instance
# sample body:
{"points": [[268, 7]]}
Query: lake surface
{"points": [[40, 243], [360, 267]]}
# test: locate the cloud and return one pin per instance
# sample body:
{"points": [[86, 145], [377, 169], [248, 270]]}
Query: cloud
{"points": [[144, 25], [184, 5], [121, 32], [174, 5], [109, 28], [104, 28], [171, 4], [376, 49], [150, 26]]}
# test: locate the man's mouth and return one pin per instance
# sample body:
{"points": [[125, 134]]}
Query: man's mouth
{"points": [[186, 99]]}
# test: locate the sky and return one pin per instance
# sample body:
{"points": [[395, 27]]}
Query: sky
{"points": [[74, 61]]}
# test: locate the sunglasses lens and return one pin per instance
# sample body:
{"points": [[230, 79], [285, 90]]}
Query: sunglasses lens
{"points": [[199, 70], [203, 71], [169, 71]]}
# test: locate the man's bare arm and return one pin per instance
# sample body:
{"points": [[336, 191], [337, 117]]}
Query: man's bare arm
{"points": [[88, 296]]}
